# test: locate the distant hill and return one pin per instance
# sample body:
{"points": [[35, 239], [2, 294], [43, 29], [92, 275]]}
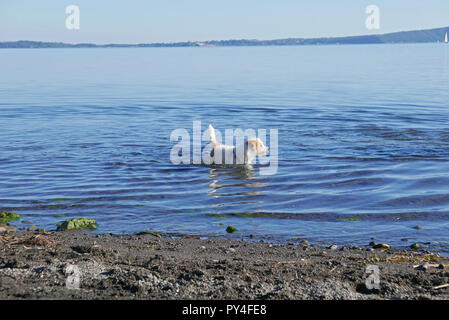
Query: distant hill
{"points": [[430, 35]]}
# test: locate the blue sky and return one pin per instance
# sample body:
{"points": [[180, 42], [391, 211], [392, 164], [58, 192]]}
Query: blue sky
{"points": [[135, 21]]}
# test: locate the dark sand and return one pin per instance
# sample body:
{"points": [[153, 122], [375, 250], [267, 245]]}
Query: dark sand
{"points": [[33, 266]]}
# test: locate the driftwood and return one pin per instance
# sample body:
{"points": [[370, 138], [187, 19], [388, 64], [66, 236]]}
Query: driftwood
{"points": [[426, 266], [441, 286]]}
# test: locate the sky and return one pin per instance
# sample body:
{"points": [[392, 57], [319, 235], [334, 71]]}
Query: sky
{"points": [[147, 21]]}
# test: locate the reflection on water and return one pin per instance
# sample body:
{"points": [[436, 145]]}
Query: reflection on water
{"points": [[227, 182], [363, 140]]}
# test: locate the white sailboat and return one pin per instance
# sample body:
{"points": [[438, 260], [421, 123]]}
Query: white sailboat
{"points": [[445, 38]]}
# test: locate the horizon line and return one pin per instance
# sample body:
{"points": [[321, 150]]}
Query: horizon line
{"points": [[222, 40]]}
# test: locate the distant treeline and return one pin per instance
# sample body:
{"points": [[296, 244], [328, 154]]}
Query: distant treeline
{"points": [[431, 35]]}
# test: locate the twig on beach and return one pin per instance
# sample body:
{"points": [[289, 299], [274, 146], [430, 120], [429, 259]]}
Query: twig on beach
{"points": [[426, 265], [441, 286]]}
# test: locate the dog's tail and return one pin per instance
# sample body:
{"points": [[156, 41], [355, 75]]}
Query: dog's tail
{"points": [[213, 139]]}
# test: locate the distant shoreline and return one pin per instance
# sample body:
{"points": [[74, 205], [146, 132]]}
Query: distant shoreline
{"points": [[416, 36]]}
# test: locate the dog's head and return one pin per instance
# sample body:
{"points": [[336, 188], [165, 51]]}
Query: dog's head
{"points": [[256, 147]]}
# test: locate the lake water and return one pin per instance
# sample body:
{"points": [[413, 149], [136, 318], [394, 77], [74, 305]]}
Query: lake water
{"points": [[363, 134]]}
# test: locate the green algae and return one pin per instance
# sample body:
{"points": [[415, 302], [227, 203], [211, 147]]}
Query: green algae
{"points": [[350, 219], [231, 229], [252, 215], [61, 199], [6, 217], [153, 233], [77, 223]]}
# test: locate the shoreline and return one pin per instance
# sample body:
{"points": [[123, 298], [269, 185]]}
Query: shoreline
{"points": [[34, 265], [433, 35]]}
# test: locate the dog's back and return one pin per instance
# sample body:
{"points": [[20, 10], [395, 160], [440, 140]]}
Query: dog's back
{"points": [[242, 154], [220, 153]]}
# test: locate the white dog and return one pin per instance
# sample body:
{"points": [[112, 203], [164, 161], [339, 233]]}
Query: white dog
{"points": [[242, 154]]}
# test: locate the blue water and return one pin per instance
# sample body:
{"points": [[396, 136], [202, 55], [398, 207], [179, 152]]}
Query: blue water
{"points": [[363, 132]]}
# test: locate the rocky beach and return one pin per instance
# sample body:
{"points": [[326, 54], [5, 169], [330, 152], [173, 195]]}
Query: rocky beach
{"points": [[82, 265]]}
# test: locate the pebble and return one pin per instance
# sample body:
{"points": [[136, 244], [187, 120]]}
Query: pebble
{"points": [[381, 246], [333, 247], [5, 228], [198, 272]]}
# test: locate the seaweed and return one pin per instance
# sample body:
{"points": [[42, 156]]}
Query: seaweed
{"points": [[77, 223], [6, 217], [231, 229]]}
